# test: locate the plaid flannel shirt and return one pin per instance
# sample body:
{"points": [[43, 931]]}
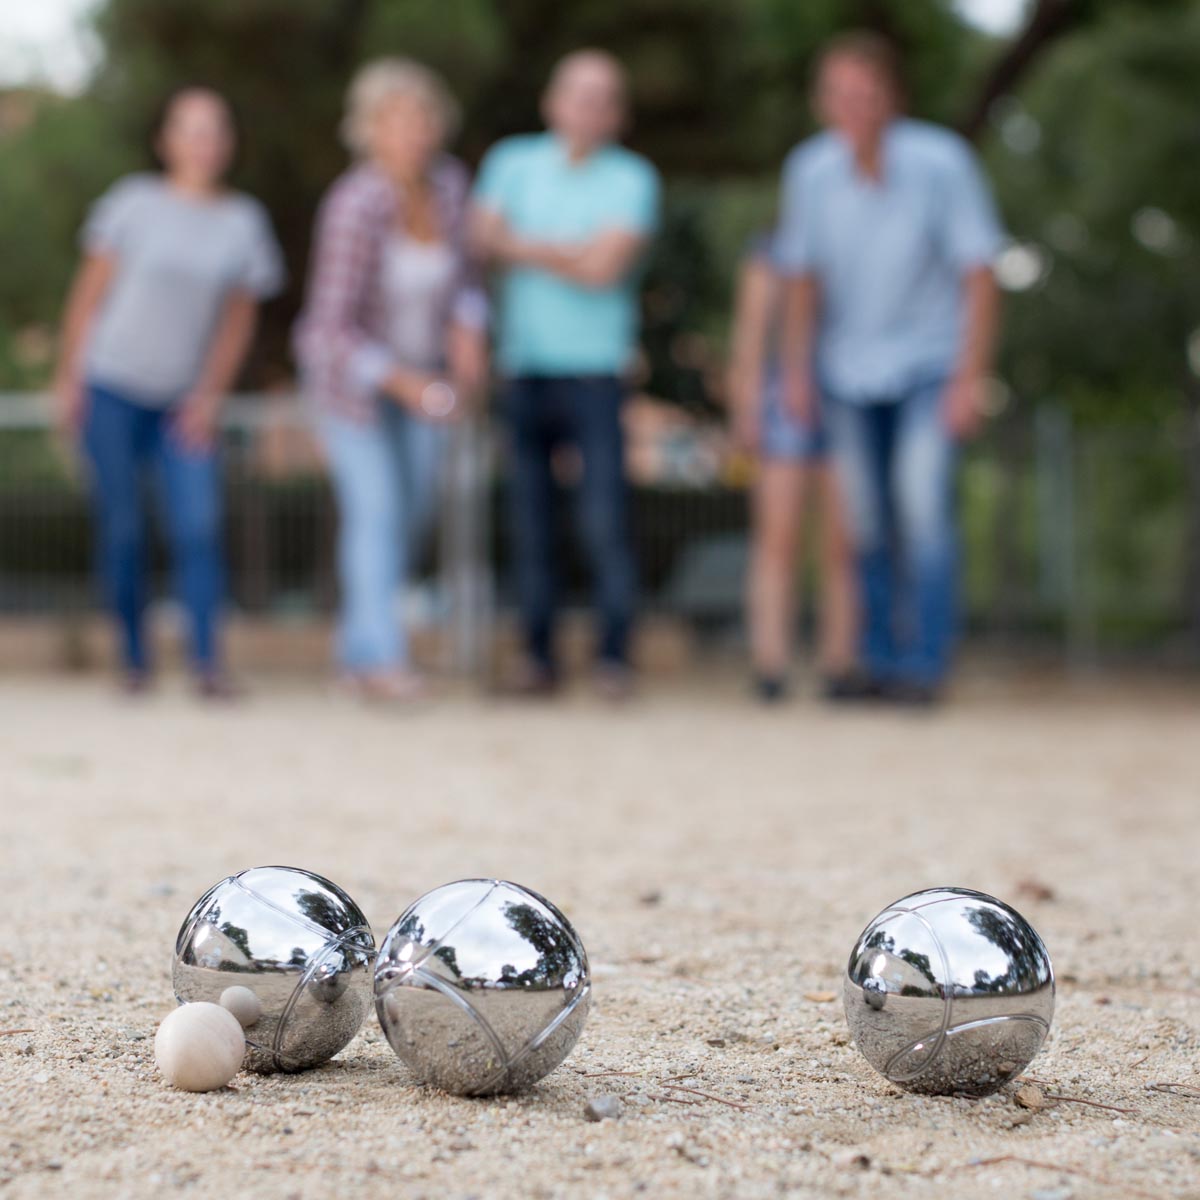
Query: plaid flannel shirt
{"points": [[340, 339]]}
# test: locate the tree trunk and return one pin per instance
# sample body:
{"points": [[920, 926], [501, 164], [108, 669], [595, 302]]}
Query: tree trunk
{"points": [[1049, 20]]}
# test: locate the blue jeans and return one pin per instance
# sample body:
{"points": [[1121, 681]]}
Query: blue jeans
{"points": [[121, 439], [784, 437], [896, 461], [385, 480], [545, 412]]}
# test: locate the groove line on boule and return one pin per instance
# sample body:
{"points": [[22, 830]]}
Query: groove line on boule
{"points": [[461, 1002], [944, 985]]}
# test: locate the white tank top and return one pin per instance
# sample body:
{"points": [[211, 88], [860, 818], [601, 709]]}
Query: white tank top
{"points": [[418, 284]]}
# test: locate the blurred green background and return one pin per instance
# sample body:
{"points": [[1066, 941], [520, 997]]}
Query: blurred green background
{"points": [[1089, 120], [1087, 116]]}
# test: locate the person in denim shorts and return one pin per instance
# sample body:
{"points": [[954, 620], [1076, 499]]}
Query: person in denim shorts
{"points": [[793, 472]]}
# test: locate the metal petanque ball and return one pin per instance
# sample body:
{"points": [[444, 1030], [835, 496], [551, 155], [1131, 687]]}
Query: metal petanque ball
{"points": [[949, 991], [481, 987], [295, 940]]}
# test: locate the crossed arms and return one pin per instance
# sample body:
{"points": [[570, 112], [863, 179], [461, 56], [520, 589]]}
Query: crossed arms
{"points": [[602, 261]]}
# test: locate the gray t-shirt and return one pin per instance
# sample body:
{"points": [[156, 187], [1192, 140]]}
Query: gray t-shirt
{"points": [[177, 260]]}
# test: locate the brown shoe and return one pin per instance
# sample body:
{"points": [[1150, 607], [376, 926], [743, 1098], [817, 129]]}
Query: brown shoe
{"points": [[217, 687], [528, 680], [136, 681], [614, 682]]}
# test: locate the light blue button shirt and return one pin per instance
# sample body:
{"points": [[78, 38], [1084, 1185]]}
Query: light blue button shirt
{"points": [[548, 325], [889, 254]]}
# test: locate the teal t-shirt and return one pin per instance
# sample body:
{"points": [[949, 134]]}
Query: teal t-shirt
{"points": [[548, 325]]}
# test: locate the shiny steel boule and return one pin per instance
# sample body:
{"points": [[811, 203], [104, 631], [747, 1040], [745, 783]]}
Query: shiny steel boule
{"points": [[295, 940], [482, 986], [949, 992]]}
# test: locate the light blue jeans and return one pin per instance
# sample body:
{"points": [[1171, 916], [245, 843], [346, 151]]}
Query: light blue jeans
{"points": [[385, 476], [896, 461]]}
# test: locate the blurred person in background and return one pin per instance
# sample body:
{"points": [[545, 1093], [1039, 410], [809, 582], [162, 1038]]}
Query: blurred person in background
{"points": [[392, 347], [888, 232], [566, 216], [158, 322], [792, 470]]}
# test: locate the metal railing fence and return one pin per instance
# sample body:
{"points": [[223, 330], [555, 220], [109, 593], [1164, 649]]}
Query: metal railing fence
{"points": [[1087, 539]]}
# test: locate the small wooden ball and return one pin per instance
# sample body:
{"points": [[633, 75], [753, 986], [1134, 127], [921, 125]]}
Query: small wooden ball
{"points": [[243, 1003], [199, 1047]]}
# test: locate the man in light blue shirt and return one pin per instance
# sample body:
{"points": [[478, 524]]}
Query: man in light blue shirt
{"points": [[566, 216], [887, 234]]}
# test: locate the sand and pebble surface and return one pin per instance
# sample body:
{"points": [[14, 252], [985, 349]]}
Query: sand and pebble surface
{"points": [[717, 860]]}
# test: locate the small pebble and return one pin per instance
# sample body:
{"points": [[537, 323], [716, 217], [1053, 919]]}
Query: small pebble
{"points": [[243, 1003], [692, 1153], [852, 1159], [601, 1108], [199, 1047]]}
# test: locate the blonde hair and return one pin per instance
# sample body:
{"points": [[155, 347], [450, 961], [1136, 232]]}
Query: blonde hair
{"points": [[378, 82]]}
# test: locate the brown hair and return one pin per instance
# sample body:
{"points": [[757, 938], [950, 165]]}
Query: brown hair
{"points": [[591, 54], [166, 105], [871, 49]]}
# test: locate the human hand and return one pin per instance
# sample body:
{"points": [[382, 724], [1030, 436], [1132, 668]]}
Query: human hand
{"points": [[406, 387], [441, 402], [745, 428], [195, 423], [467, 355], [744, 389], [430, 397], [800, 397], [70, 404], [516, 251], [962, 406]]}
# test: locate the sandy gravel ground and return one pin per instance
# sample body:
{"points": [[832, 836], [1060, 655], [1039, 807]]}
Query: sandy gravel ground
{"points": [[717, 861]]}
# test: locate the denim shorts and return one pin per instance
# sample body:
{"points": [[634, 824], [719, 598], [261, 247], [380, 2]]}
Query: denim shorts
{"points": [[783, 436]]}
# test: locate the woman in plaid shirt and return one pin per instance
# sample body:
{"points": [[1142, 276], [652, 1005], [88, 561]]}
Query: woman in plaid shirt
{"points": [[391, 344]]}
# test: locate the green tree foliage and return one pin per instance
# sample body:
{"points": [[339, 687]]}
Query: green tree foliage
{"points": [[1087, 120], [46, 171], [1098, 166]]}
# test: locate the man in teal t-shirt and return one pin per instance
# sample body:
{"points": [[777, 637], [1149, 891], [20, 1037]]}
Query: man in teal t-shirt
{"points": [[565, 215]]}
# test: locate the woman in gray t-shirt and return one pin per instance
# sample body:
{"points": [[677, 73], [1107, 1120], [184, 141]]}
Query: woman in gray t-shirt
{"points": [[157, 325]]}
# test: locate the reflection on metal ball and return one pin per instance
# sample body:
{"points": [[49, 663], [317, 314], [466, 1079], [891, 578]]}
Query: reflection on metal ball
{"points": [[482, 987], [949, 992], [295, 940], [875, 993]]}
